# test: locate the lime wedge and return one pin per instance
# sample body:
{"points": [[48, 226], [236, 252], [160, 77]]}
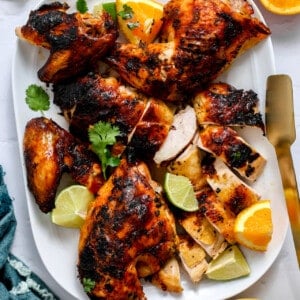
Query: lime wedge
{"points": [[180, 192], [230, 264], [110, 7], [71, 206]]}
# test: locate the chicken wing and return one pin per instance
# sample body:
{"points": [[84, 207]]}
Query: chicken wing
{"points": [[129, 233], [199, 40], [76, 41], [49, 151]]}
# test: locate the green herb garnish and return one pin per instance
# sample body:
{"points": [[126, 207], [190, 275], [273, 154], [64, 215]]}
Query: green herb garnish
{"points": [[37, 98], [126, 13], [102, 135], [111, 9], [81, 6], [133, 25], [88, 284]]}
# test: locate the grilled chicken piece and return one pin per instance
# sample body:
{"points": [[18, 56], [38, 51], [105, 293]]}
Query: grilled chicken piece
{"points": [[181, 133], [203, 233], [226, 144], [223, 104], [188, 164], [49, 151], [199, 40], [193, 257], [143, 122], [127, 228], [168, 277], [221, 218], [235, 194], [76, 41]]}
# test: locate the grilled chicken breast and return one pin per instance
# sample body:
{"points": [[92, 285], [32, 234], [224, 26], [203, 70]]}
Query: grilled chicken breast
{"points": [[222, 104], [144, 122], [226, 144], [199, 40], [49, 151], [76, 41], [129, 233]]}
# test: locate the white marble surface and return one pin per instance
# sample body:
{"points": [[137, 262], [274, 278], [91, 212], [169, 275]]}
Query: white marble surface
{"points": [[281, 281]]}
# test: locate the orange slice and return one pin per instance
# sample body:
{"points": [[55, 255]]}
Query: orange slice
{"points": [[282, 7], [253, 226], [139, 20]]}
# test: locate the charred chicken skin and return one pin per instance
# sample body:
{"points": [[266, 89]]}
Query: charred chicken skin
{"points": [[129, 233], [76, 41], [144, 122], [49, 151], [199, 40]]}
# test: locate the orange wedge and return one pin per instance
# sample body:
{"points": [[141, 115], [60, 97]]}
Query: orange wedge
{"points": [[253, 226], [139, 20], [282, 7]]}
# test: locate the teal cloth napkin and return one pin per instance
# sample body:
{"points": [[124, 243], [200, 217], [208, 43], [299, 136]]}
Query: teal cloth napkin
{"points": [[17, 281]]}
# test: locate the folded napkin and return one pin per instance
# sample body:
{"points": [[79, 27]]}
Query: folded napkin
{"points": [[16, 279]]}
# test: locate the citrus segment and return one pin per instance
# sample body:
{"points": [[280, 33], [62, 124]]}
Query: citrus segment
{"points": [[230, 264], [180, 192], [71, 206], [139, 20], [253, 226], [282, 7]]}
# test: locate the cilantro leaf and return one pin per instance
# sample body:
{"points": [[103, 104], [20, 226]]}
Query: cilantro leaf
{"points": [[81, 6], [37, 98], [126, 13], [102, 135], [133, 25], [88, 284]]}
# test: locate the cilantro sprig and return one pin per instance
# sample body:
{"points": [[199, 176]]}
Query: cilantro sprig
{"points": [[37, 98], [126, 13], [81, 6], [102, 135], [88, 284]]}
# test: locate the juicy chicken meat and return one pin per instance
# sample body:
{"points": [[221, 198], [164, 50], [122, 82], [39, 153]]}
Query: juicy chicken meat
{"points": [[49, 151], [76, 41], [129, 233], [144, 122], [223, 104], [233, 150], [199, 40]]}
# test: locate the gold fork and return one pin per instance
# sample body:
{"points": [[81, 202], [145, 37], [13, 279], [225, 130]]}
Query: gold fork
{"points": [[280, 129]]}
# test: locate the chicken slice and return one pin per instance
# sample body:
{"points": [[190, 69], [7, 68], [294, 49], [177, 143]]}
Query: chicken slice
{"points": [[127, 227], [49, 151], [217, 215], [198, 227], [231, 191], [193, 257], [223, 104], [181, 133], [199, 40], [226, 144], [168, 277], [76, 41], [188, 164]]}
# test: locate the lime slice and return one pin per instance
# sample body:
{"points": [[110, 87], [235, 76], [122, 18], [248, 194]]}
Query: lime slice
{"points": [[71, 206], [180, 192], [110, 7], [230, 264]]}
